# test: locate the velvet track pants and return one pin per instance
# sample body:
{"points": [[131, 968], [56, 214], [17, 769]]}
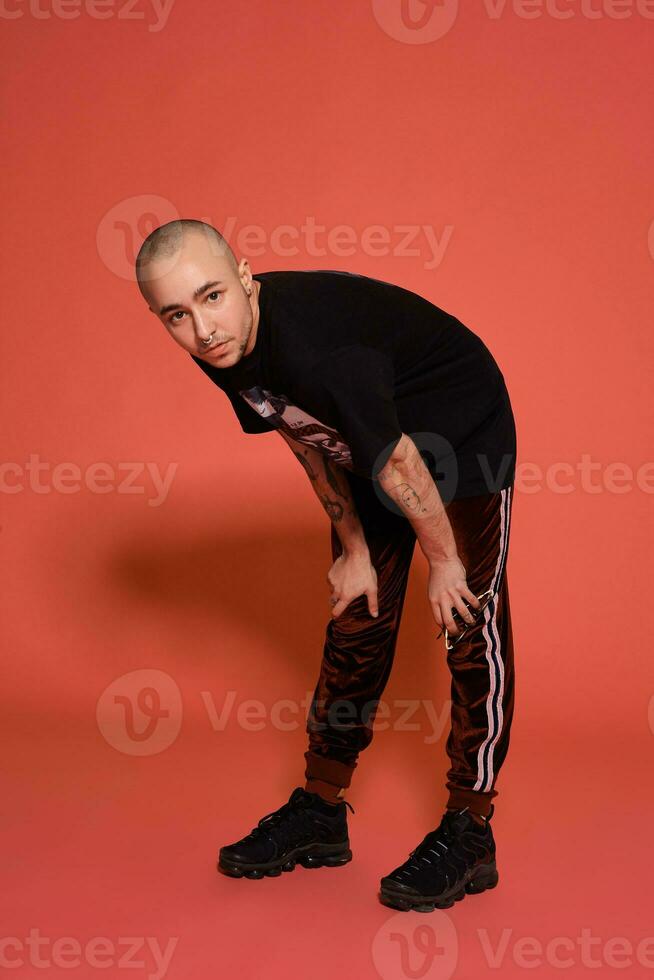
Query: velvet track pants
{"points": [[359, 650]]}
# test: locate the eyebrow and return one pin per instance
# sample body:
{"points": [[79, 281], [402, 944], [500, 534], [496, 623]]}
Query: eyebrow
{"points": [[198, 292]]}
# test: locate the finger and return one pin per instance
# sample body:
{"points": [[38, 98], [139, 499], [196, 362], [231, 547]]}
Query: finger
{"points": [[446, 613], [373, 605], [339, 607], [471, 597], [461, 608], [456, 594]]}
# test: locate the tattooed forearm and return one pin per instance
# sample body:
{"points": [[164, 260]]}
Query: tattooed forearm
{"points": [[409, 484], [333, 508], [332, 478], [403, 493], [329, 482], [311, 473]]}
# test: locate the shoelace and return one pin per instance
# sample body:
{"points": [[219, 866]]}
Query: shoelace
{"points": [[442, 838], [293, 814]]}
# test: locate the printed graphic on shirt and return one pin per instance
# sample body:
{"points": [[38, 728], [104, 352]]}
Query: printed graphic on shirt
{"points": [[279, 411]]}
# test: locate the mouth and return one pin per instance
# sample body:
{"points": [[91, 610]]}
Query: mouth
{"points": [[217, 348]]}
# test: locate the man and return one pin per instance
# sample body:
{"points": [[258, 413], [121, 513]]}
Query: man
{"points": [[360, 378]]}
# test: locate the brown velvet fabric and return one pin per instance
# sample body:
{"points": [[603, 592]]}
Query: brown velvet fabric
{"points": [[328, 791], [359, 650]]}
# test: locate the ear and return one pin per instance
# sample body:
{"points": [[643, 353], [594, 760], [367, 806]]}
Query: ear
{"points": [[243, 268]]}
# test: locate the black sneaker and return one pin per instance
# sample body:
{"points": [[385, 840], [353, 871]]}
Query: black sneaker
{"points": [[306, 830], [456, 859]]}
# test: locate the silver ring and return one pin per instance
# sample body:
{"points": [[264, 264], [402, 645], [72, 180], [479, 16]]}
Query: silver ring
{"points": [[209, 340]]}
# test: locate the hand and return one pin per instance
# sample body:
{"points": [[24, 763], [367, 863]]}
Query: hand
{"points": [[349, 577], [448, 588]]}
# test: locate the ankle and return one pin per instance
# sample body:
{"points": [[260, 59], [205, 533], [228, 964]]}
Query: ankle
{"points": [[326, 791], [477, 817]]}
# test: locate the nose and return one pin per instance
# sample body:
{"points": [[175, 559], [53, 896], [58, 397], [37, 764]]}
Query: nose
{"points": [[204, 330]]}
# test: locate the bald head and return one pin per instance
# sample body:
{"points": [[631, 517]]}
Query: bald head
{"points": [[191, 281], [166, 242]]}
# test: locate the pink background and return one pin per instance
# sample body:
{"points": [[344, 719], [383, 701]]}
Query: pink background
{"points": [[530, 139]]}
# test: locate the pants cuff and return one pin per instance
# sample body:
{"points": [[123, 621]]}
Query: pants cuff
{"points": [[328, 770], [329, 792], [475, 800]]}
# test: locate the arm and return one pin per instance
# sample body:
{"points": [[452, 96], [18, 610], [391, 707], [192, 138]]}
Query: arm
{"points": [[331, 486], [408, 482], [352, 573]]}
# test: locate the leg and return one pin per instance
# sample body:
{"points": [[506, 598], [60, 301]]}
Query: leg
{"points": [[359, 650], [482, 663]]}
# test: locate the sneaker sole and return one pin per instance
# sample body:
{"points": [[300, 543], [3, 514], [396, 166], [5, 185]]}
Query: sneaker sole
{"points": [[309, 856], [484, 876]]}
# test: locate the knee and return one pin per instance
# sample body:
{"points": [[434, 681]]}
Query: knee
{"points": [[357, 620]]}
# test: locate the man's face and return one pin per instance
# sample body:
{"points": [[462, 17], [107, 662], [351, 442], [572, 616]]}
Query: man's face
{"points": [[199, 296]]}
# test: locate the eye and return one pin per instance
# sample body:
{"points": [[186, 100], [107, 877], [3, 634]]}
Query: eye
{"points": [[178, 313], [215, 293]]}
